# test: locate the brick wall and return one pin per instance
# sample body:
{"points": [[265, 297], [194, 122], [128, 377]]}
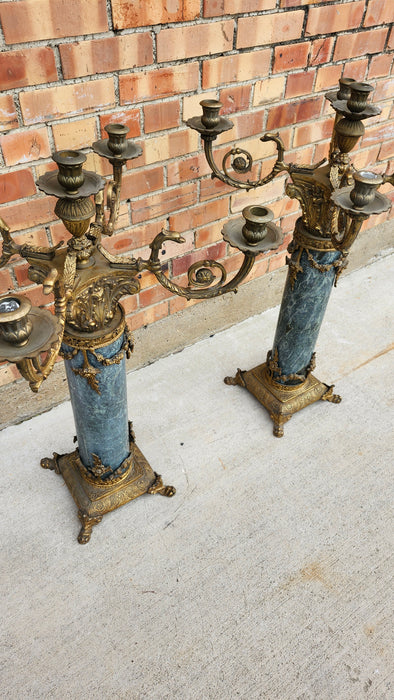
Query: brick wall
{"points": [[69, 68]]}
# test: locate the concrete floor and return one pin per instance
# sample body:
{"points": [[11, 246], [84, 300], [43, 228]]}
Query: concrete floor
{"points": [[268, 575]]}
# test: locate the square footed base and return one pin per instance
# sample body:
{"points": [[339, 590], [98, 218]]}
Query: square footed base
{"points": [[94, 498], [282, 401]]}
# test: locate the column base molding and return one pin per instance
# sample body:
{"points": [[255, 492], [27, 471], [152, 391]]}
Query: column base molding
{"points": [[280, 400], [94, 500]]}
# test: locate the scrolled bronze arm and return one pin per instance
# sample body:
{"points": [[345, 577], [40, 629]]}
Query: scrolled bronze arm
{"points": [[199, 273], [242, 163]]}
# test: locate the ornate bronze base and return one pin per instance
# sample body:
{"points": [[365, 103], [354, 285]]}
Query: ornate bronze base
{"points": [[94, 497], [282, 401]]}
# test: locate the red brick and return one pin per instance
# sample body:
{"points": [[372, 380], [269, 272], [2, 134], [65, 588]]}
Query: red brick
{"points": [[291, 113], [153, 295], [290, 57], [161, 115], [5, 281], [74, 135], [67, 100], [300, 84], [390, 43], [380, 66], [294, 3], [265, 29], [16, 185], [185, 169], [327, 77], [386, 150], [58, 233], [35, 20], [235, 68], [277, 261], [21, 274], [160, 204], [321, 51], [8, 373], [134, 13], [179, 303], [38, 237], [273, 190], [127, 117], [366, 157], [194, 40], [158, 83], [245, 125], [139, 182], [335, 18], [380, 133], [321, 151], [199, 216], [269, 90], [214, 252], [384, 90], [130, 304], [235, 99], [209, 234], [174, 249], [285, 206], [19, 216], [106, 55], [170, 145], [149, 315], [311, 133], [287, 223], [356, 69], [210, 188], [133, 239], [360, 44], [25, 146], [8, 115], [378, 12], [27, 67], [215, 8]]}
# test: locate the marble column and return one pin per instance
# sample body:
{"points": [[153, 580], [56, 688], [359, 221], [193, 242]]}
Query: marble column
{"points": [[99, 403], [302, 310]]}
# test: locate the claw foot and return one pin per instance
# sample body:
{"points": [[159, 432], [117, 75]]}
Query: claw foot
{"points": [[279, 422], [159, 487], [51, 463], [237, 380], [87, 526], [330, 396]]}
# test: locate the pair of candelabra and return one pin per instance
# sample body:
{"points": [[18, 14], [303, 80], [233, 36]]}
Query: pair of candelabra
{"points": [[88, 327]]}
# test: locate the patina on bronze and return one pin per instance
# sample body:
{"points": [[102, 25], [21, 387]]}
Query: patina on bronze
{"points": [[88, 327]]}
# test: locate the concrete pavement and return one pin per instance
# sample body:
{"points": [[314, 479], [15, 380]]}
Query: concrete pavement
{"points": [[268, 575]]}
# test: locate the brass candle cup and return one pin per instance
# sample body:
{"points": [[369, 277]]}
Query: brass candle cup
{"points": [[70, 175], [255, 228], [210, 113], [359, 93], [117, 143], [365, 186], [15, 325], [345, 85]]}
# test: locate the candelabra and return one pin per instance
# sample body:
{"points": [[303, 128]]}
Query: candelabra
{"points": [[88, 327], [335, 200]]}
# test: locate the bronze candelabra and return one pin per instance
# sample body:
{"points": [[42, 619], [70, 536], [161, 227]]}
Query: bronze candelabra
{"points": [[335, 201], [88, 327]]}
